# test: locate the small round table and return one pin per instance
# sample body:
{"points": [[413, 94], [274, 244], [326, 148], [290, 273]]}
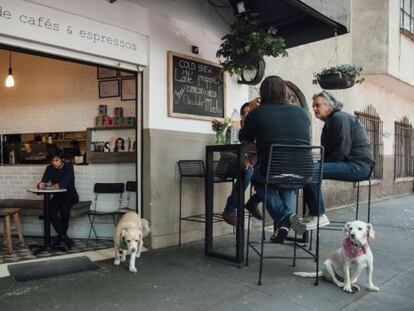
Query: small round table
{"points": [[46, 216]]}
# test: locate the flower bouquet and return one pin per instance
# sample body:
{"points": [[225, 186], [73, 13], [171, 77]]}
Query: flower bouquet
{"points": [[220, 126]]}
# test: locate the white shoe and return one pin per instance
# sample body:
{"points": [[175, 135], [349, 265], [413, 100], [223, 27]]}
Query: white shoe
{"points": [[306, 218], [298, 226], [323, 221]]}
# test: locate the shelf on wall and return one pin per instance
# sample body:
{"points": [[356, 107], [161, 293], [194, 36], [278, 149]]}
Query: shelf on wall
{"points": [[94, 157], [112, 128]]}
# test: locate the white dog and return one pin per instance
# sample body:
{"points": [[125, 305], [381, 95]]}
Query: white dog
{"points": [[128, 238], [348, 261]]}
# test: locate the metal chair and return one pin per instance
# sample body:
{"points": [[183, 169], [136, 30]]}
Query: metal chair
{"points": [[368, 178], [195, 169], [131, 187], [290, 167], [104, 188]]}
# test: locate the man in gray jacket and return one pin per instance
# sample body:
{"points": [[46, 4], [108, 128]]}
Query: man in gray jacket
{"points": [[347, 156]]}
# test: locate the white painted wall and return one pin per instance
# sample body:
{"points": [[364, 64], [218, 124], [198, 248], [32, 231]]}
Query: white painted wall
{"points": [[378, 44], [406, 64], [170, 25]]}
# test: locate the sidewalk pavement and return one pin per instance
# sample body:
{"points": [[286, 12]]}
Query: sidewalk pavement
{"points": [[183, 279]]}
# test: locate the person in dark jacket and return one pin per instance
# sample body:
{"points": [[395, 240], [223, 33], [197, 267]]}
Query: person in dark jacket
{"points": [[275, 121], [60, 175], [347, 152]]}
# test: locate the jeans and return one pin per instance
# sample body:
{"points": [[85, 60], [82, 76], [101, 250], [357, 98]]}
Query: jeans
{"points": [[280, 203], [232, 200], [344, 171]]}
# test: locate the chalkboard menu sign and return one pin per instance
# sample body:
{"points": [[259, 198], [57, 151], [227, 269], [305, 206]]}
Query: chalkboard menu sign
{"points": [[196, 88]]}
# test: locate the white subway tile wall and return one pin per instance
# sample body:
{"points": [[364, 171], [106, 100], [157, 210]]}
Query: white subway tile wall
{"points": [[16, 179]]}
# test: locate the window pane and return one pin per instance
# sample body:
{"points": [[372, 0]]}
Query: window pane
{"points": [[407, 5], [406, 22]]}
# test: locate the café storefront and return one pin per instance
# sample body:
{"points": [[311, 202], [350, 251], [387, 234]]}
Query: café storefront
{"points": [[77, 86], [57, 48]]}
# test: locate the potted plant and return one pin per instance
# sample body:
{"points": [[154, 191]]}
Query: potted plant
{"points": [[338, 77], [245, 46]]}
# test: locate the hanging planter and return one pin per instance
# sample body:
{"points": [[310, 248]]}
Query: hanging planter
{"points": [[338, 77], [254, 76], [242, 50]]}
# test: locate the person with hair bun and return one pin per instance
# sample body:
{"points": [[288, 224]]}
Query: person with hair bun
{"points": [[60, 175]]}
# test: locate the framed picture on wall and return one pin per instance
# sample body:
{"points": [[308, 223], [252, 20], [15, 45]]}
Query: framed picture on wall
{"points": [[128, 89], [108, 88], [106, 73]]}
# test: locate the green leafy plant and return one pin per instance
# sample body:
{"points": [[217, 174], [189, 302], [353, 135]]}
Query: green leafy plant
{"points": [[342, 71], [247, 43]]}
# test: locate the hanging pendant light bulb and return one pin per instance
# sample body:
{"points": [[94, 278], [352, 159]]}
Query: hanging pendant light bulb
{"points": [[10, 79]]}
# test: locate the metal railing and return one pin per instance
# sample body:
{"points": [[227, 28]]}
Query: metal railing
{"points": [[404, 143], [374, 127]]}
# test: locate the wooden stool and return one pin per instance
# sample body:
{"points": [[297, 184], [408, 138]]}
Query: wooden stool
{"points": [[6, 213]]}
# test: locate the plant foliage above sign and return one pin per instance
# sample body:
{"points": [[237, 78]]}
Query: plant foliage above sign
{"points": [[247, 43], [338, 77]]}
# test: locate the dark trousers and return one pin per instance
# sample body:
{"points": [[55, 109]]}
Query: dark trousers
{"points": [[60, 206]]}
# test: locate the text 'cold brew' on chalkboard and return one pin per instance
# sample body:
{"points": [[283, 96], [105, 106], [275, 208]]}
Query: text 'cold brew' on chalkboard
{"points": [[195, 88]]}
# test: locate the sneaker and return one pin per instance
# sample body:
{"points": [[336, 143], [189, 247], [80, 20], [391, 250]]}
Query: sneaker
{"points": [[323, 221], [279, 235], [69, 242], [306, 218], [57, 241], [230, 217], [298, 226], [254, 210]]}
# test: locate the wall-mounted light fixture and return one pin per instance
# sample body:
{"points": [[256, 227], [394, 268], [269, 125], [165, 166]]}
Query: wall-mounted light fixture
{"points": [[10, 79], [194, 49]]}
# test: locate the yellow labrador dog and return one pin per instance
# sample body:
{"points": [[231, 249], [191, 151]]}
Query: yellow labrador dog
{"points": [[128, 238], [345, 265]]}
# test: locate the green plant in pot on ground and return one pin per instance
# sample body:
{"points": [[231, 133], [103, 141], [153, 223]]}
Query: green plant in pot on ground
{"points": [[247, 43], [338, 77]]}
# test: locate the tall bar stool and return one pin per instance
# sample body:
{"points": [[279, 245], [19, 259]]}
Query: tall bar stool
{"points": [[195, 169], [6, 214], [357, 181], [290, 167]]}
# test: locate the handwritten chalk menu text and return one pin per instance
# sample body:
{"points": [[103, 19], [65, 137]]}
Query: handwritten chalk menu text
{"points": [[195, 88]]}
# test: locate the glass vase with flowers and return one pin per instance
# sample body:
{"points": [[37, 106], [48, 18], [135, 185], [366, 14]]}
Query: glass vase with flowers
{"points": [[220, 126]]}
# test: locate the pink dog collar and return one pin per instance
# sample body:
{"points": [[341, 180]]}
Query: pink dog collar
{"points": [[352, 250]]}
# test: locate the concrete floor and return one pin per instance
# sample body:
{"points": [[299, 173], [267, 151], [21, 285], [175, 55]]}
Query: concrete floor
{"points": [[183, 279]]}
